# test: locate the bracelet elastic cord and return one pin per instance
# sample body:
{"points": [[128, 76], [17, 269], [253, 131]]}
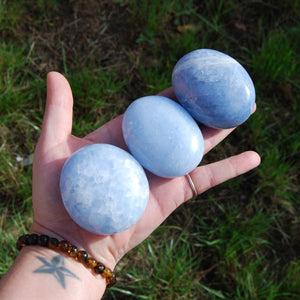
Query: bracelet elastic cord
{"points": [[72, 251]]}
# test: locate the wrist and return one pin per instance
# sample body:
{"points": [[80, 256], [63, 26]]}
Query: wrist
{"points": [[67, 271], [41, 273], [100, 254], [65, 248]]}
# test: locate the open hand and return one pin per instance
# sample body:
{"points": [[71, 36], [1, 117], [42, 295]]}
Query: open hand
{"points": [[57, 143]]}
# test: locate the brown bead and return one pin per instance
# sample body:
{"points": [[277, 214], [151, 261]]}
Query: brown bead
{"points": [[82, 256], [43, 240], [107, 272], [110, 281], [99, 268], [73, 251], [64, 246], [91, 263], [53, 243]]}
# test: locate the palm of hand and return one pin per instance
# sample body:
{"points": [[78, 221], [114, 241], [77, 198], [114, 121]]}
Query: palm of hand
{"points": [[56, 144]]}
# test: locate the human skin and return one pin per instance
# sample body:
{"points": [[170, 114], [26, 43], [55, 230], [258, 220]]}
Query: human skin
{"points": [[55, 145]]}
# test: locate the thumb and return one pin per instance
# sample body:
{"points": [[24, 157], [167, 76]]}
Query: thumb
{"points": [[57, 123]]}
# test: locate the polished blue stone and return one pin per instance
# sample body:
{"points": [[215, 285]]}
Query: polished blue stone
{"points": [[214, 88], [162, 136], [104, 189]]}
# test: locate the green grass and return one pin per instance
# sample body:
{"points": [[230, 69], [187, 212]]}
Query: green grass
{"points": [[168, 268], [96, 98], [276, 60], [237, 241]]}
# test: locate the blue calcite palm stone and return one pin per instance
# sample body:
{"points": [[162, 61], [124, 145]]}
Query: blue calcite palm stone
{"points": [[162, 136], [214, 88], [104, 189]]}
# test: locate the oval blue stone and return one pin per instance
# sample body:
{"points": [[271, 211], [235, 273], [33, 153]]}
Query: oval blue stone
{"points": [[214, 88], [104, 189], [162, 136]]}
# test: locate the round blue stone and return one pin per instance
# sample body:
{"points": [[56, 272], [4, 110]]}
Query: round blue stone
{"points": [[162, 136], [214, 88], [104, 189]]}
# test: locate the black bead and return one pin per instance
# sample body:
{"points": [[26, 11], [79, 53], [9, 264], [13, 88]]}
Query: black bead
{"points": [[24, 239], [99, 268], [33, 239], [73, 251], [21, 239], [53, 243], [19, 245], [43, 240]]}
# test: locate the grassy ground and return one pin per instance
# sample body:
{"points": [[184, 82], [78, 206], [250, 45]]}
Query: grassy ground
{"points": [[237, 241]]}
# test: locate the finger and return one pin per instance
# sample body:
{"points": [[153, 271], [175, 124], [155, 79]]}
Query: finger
{"points": [[57, 123], [213, 137], [208, 176], [169, 93], [109, 133]]}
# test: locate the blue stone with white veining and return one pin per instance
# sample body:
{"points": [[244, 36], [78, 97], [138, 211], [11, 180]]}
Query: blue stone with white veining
{"points": [[162, 136], [214, 88], [104, 189]]}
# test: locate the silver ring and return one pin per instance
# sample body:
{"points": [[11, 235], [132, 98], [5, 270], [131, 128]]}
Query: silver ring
{"points": [[192, 185]]}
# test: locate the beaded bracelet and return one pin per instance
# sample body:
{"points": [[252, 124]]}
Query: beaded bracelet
{"points": [[72, 251]]}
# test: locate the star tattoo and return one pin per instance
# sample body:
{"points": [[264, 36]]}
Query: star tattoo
{"points": [[55, 266]]}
